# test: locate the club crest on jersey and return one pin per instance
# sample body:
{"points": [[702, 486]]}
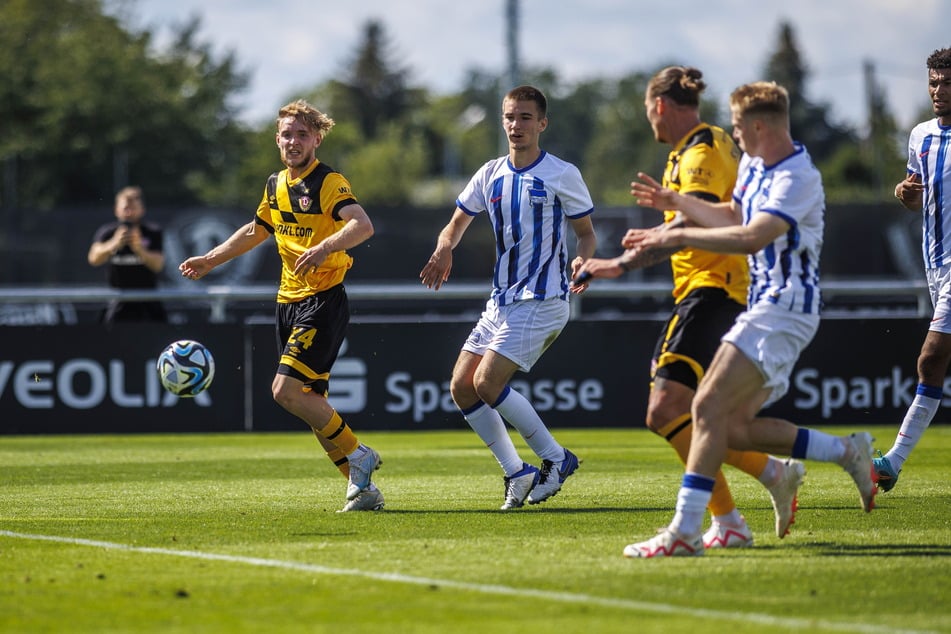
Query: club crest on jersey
{"points": [[537, 196], [305, 203]]}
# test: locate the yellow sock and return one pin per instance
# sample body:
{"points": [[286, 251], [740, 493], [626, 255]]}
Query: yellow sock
{"points": [[336, 455], [751, 462], [340, 434], [678, 433]]}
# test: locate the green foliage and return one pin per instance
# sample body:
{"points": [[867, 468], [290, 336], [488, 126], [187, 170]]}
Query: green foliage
{"points": [[90, 107], [617, 147], [89, 104], [238, 533], [385, 171]]}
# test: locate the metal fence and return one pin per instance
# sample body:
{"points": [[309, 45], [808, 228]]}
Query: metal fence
{"points": [[852, 298]]}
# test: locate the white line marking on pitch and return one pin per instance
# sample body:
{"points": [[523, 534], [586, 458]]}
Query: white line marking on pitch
{"points": [[547, 595]]}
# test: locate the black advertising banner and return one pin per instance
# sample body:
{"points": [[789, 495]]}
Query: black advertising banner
{"points": [[78, 379], [395, 376]]}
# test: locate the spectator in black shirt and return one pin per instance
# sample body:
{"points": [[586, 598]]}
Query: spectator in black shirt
{"points": [[133, 250]]}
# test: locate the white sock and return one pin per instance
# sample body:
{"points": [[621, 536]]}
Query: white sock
{"points": [[733, 518], [916, 421], [824, 447], [770, 472], [518, 411], [692, 504], [490, 427]]}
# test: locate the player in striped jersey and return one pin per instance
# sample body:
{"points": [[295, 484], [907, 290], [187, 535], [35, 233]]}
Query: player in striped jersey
{"points": [[710, 291], [777, 220], [927, 187], [530, 197]]}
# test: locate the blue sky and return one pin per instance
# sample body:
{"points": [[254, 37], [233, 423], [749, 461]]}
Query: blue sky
{"points": [[287, 48]]}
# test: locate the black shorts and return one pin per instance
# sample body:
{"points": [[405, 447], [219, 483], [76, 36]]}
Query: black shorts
{"points": [[691, 336], [309, 335]]}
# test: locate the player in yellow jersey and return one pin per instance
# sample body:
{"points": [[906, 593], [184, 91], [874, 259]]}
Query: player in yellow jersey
{"points": [[709, 293], [314, 218]]}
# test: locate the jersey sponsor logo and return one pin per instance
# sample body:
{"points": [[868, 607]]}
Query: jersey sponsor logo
{"points": [[294, 231]]}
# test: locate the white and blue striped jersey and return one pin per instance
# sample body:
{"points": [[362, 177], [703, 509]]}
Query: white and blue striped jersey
{"points": [[929, 156], [528, 208], [786, 271]]}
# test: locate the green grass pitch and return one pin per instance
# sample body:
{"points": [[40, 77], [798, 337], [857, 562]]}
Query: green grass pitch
{"points": [[236, 533]]}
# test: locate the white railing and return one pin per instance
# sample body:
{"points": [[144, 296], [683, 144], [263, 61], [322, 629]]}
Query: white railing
{"points": [[218, 297]]}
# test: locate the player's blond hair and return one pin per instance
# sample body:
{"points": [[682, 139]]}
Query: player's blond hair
{"points": [[315, 120], [761, 99]]}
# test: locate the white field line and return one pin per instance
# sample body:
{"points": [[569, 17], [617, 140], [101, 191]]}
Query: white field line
{"points": [[546, 595]]}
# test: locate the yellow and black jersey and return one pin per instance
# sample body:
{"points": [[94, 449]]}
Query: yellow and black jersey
{"points": [[704, 164], [301, 213]]}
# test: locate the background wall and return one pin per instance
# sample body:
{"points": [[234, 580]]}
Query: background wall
{"points": [[84, 379]]}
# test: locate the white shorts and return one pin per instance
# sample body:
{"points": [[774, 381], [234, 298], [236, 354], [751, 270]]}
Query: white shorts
{"points": [[520, 332], [939, 286], [773, 338]]}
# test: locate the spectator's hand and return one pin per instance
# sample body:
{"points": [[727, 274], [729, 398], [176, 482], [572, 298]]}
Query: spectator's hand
{"points": [[120, 238], [133, 237]]}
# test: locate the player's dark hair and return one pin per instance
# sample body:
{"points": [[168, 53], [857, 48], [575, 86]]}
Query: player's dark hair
{"points": [[132, 191], [941, 58], [680, 84], [530, 93]]}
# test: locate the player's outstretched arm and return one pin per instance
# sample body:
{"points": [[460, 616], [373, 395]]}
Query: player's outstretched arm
{"points": [[240, 242], [650, 193], [437, 269]]}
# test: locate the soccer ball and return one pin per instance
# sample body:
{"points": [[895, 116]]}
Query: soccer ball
{"points": [[186, 368]]}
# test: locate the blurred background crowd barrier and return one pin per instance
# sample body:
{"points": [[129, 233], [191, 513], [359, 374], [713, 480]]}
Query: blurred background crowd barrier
{"points": [[62, 372]]}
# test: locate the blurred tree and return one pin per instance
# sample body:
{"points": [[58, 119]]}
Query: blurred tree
{"points": [[88, 107], [375, 89], [378, 116], [867, 171], [621, 144], [809, 122]]}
